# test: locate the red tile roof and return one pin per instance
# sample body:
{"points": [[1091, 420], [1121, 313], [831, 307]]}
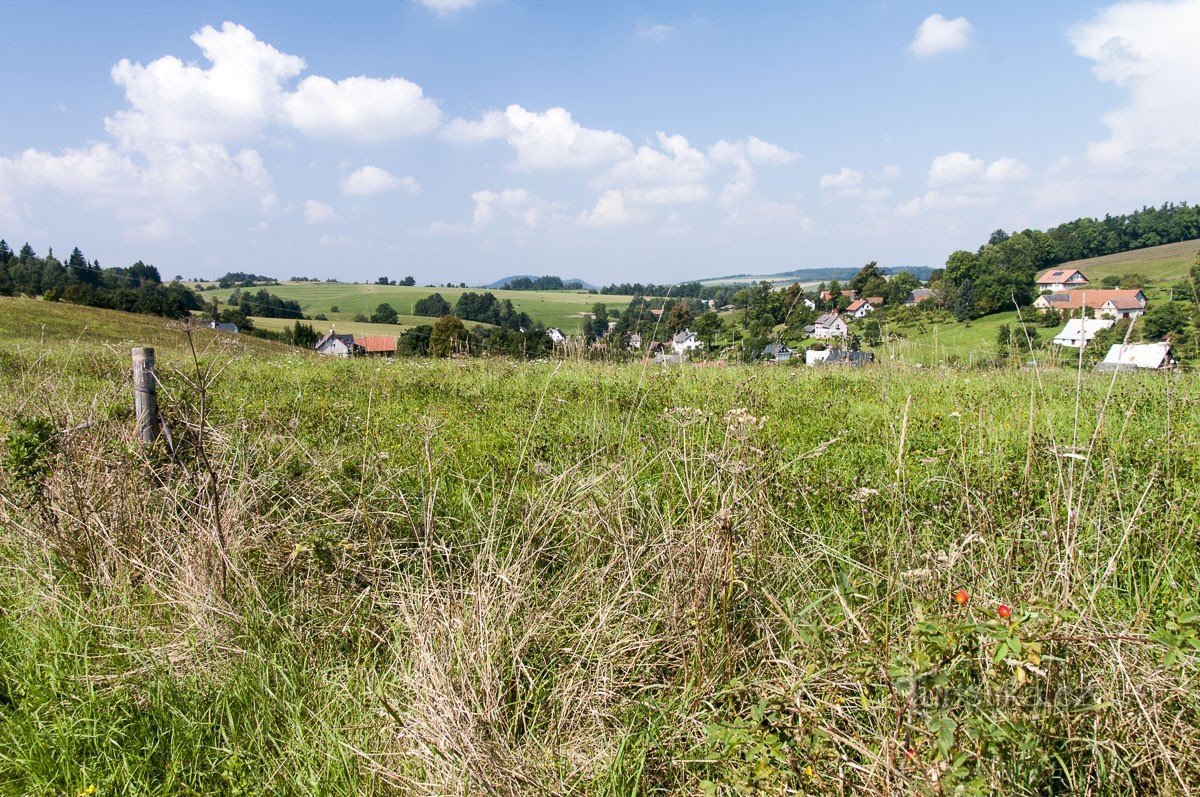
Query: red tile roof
{"points": [[1074, 300], [377, 344], [1060, 275]]}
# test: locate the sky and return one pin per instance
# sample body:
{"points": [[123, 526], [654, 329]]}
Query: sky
{"points": [[466, 140]]}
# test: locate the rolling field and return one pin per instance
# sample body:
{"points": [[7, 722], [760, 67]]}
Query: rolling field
{"points": [[355, 327], [472, 577], [1166, 263], [562, 309], [968, 343]]}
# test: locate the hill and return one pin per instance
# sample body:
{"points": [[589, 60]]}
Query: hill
{"points": [[563, 309], [811, 276], [504, 282], [1166, 263]]}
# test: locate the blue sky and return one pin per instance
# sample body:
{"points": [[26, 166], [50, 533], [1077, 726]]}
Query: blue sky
{"points": [[469, 139]]}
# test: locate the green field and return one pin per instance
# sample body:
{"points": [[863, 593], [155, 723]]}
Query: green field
{"points": [[562, 309], [353, 327], [1166, 263], [470, 577]]}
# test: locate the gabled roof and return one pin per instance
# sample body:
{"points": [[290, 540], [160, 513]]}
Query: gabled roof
{"points": [[1124, 303], [1093, 299], [919, 294], [856, 305], [827, 320], [1083, 328], [347, 340], [772, 349], [1138, 355], [377, 344], [1059, 275], [683, 336]]}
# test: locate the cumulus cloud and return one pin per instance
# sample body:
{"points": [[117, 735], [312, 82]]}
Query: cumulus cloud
{"points": [[544, 141], [672, 173], [317, 212], [371, 180], [958, 168], [1149, 49], [232, 99], [361, 108], [610, 211], [512, 208], [938, 35], [845, 178], [743, 156]]}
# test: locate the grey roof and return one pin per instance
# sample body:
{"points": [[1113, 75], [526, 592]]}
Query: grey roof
{"points": [[773, 349], [681, 337], [224, 327], [827, 320]]}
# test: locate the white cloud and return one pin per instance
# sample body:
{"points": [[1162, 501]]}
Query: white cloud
{"points": [[361, 108], [1006, 170], [544, 141], [743, 156], [655, 33], [845, 178], [443, 7], [231, 100], [317, 212], [1149, 49], [955, 167], [610, 211], [371, 180], [512, 209], [938, 35], [671, 174]]}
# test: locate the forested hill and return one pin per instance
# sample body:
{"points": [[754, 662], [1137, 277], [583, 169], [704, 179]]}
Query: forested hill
{"points": [[1002, 271], [136, 289]]}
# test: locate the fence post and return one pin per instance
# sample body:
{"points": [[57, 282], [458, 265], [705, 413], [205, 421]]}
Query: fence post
{"points": [[145, 394]]}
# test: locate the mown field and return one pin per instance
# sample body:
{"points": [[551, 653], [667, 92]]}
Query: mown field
{"points": [[562, 309], [487, 577], [1167, 263]]}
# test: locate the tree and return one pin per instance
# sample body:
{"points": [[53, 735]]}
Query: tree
{"points": [[708, 326], [964, 302], [385, 314], [383, 281], [1166, 319], [447, 336], [408, 282], [596, 326], [304, 335], [679, 317], [433, 305]]}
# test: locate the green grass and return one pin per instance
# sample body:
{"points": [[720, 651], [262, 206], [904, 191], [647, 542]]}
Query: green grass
{"points": [[933, 341], [562, 309], [355, 327], [1167, 263], [489, 577]]}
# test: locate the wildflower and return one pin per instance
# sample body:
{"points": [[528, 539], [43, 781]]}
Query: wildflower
{"points": [[961, 597], [809, 771], [1004, 611]]}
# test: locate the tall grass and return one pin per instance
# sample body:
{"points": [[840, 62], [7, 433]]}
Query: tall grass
{"points": [[492, 578]]}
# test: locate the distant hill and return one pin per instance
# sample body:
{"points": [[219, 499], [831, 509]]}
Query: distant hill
{"points": [[813, 275], [503, 282]]}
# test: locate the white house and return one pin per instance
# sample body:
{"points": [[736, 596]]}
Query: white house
{"points": [[1080, 331], [1125, 303], [859, 308], [1134, 356], [809, 303], [1122, 307], [830, 325], [685, 341], [556, 336], [1061, 279], [812, 357], [635, 342], [336, 345]]}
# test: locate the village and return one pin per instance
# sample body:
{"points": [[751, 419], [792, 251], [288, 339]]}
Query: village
{"points": [[832, 339]]}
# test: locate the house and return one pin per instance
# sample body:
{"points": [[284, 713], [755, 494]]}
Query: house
{"points": [[685, 341], [917, 295], [1061, 279], [838, 357], [809, 303], [336, 345], [656, 312], [1125, 304], [1134, 356], [376, 345], [830, 325], [217, 325], [827, 295], [635, 342], [875, 301], [777, 353], [859, 308], [556, 336], [1080, 331]]}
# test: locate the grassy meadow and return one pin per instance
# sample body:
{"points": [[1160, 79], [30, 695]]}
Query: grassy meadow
{"points": [[488, 577], [563, 309], [1167, 263]]}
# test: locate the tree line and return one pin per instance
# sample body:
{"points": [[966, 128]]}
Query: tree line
{"points": [[134, 289]]}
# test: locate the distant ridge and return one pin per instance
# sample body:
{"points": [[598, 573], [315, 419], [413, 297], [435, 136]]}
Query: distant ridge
{"points": [[818, 274], [573, 283]]}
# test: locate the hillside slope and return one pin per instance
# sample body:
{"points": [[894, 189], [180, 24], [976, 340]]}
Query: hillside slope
{"points": [[1159, 263]]}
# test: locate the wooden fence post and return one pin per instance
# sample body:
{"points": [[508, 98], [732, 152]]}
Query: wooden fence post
{"points": [[145, 394]]}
